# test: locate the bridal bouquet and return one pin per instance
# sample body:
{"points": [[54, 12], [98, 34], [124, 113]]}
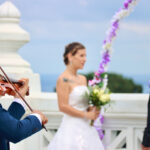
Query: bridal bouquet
{"points": [[97, 95]]}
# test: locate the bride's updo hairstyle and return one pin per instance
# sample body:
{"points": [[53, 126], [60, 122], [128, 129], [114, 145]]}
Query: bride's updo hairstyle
{"points": [[72, 48]]}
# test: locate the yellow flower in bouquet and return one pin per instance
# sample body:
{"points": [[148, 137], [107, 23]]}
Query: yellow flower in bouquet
{"points": [[98, 97], [105, 98], [96, 91]]}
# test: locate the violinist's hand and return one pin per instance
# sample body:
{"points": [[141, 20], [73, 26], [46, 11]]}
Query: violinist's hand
{"points": [[23, 90], [43, 117], [145, 148]]}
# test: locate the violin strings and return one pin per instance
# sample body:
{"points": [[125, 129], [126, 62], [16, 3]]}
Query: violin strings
{"points": [[5, 75]]}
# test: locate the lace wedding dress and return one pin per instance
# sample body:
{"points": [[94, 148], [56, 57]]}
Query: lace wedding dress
{"points": [[76, 133]]}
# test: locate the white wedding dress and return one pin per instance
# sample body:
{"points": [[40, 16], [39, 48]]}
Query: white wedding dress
{"points": [[76, 133]]}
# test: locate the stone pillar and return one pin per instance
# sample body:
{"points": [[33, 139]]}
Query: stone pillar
{"points": [[13, 37]]}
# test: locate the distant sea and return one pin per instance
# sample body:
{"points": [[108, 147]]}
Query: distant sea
{"points": [[48, 81]]}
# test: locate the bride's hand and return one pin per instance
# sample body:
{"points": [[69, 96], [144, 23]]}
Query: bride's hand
{"points": [[92, 108], [92, 115]]}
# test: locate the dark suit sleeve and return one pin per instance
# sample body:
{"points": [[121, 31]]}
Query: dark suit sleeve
{"points": [[15, 130], [146, 137], [16, 110]]}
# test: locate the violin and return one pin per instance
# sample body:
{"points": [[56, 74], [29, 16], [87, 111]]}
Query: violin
{"points": [[7, 88], [12, 86]]}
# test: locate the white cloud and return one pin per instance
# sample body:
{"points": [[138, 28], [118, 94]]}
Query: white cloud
{"points": [[63, 29], [70, 29], [137, 27]]}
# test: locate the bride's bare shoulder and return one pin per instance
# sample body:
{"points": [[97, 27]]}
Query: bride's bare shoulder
{"points": [[62, 85], [61, 79]]}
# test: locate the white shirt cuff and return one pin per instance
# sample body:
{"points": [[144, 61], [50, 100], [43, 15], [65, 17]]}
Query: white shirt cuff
{"points": [[21, 102], [38, 117]]}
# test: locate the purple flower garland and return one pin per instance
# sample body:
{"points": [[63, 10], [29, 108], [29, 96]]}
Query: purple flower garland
{"points": [[101, 75]]}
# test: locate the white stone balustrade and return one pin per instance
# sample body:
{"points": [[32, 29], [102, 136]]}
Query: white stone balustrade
{"points": [[124, 121]]}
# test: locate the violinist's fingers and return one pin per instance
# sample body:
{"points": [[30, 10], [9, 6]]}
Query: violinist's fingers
{"points": [[24, 80], [45, 120], [23, 90], [43, 117], [21, 79]]}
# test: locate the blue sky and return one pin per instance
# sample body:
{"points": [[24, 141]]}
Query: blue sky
{"points": [[54, 23]]}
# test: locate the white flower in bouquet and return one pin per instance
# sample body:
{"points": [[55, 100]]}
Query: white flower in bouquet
{"points": [[105, 98]]}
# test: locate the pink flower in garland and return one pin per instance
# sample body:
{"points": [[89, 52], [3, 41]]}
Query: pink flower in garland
{"points": [[97, 74], [94, 81]]}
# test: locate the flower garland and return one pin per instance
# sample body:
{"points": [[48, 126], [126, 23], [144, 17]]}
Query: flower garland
{"points": [[101, 77]]}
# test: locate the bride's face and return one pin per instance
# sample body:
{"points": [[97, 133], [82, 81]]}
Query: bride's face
{"points": [[79, 59]]}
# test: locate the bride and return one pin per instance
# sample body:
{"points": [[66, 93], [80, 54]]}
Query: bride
{"points": [[75, 132]]}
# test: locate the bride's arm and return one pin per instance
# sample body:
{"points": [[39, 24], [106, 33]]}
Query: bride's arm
{"points": [[63, 91]]}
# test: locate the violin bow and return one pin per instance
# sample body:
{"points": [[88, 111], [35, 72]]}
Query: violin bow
{"points": [[15, 89]]}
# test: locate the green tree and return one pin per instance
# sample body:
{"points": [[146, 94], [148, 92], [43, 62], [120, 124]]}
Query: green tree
{"points": [[119, 84]]}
